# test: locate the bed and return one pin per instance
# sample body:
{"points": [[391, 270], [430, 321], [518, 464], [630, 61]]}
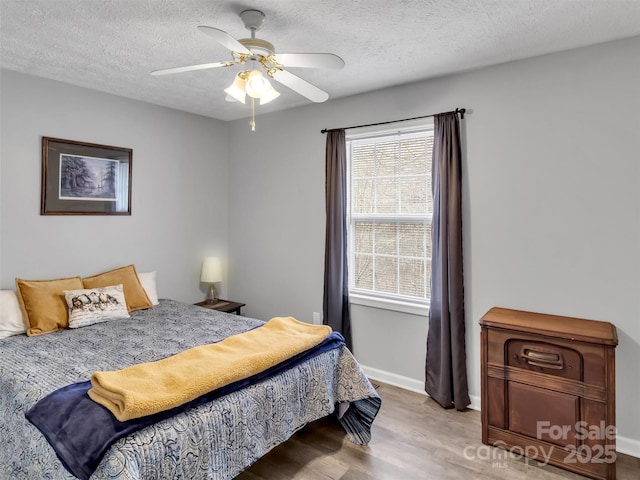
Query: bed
{"points": [[215, 440]]}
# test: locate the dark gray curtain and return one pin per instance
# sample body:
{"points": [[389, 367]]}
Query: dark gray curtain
{"points": [[446, 369], [335, 303]]}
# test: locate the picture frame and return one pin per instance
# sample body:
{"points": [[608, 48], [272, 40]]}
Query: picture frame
{"points": [[80, 178]]}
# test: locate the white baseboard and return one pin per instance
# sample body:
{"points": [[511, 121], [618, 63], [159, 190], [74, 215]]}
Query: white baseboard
{"points": [[628, 446], [624, 445], [394, 379], [407, 383]]}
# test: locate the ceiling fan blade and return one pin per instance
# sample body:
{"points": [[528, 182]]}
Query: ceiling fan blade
{"points": [[225, 39], [190, 68], [310, 60], [300, 86]]}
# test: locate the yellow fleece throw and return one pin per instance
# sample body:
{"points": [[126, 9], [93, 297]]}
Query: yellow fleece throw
{"points": [[148, 388]]}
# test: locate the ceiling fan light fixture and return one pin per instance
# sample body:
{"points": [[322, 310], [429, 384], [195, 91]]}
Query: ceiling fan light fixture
{"points": [[256, 85], [237, 89]]}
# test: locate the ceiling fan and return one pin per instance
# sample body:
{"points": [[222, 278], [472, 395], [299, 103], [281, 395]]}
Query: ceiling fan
{"points": [[261, 56]]}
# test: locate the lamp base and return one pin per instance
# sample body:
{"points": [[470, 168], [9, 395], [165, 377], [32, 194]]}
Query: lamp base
{"points": [[212, 295]]}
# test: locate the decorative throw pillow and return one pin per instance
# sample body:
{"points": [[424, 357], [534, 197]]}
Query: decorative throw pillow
{"points": [[134, 293], [95, 305], [148, 281], [11, 318], [43, 304]]}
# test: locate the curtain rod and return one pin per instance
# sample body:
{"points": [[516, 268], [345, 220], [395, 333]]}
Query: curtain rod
{"points": [[461, 111]]}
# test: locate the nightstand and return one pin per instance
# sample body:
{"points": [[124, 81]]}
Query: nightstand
{"points": [[223, 306]]}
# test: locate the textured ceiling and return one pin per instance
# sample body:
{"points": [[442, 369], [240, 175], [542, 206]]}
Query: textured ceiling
{"points": [[112, 45]]}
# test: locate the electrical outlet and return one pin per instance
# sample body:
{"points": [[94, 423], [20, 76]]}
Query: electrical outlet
{"points": [[317, 318]]}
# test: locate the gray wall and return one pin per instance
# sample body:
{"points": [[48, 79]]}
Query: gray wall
{"points": [[551, 205], [179, 198]]}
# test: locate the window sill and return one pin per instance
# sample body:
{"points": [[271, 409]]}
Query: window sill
{"points": [[387, 304]]}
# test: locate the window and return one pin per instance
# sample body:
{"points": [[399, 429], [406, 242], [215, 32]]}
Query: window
{"points": [[389, 218]]}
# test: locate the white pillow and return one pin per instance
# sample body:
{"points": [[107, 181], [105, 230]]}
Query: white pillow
{"points": [[95, 305], [11, 317], [148, 281]]}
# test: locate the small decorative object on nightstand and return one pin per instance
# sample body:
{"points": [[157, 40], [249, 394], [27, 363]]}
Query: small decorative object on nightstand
{"points": [[211, 273], [223, 306]]}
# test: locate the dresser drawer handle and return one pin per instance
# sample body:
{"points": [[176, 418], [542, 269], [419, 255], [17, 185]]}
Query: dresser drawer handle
{"points": [[542, 359]]}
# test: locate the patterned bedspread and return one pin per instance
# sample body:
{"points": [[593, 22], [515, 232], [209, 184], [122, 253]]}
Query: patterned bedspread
{"points": [[216, 440]]}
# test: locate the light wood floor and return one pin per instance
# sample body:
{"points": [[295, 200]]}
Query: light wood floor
{"points": [[413, 438]]}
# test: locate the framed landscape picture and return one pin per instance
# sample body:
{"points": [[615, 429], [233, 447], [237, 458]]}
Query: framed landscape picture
{"points": [[81, 178]]}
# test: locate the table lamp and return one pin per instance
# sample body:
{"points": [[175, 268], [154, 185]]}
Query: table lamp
{"points": [[211, 273]]}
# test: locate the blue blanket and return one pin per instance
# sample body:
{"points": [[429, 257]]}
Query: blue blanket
{"points": [[81, 431]]}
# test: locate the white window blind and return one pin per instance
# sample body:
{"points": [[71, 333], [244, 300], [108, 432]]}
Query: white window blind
{"points": [[389, 215]]}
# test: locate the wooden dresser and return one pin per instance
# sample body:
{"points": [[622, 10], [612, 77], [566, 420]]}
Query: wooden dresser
{"points": [[548, 389]]}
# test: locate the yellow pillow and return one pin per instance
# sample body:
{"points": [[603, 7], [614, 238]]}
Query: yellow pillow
{"points": [[134, 293], [43, 303]]}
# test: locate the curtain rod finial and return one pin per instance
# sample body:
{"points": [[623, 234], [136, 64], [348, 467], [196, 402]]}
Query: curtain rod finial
{"points": [[461, 111]]}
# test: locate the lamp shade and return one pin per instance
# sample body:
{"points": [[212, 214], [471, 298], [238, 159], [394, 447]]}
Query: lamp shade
{"points": [[236, 89], [269, 95], [211, 270]]}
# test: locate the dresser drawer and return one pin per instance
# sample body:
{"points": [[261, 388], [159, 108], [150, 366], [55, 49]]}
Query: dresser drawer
{"points": [[544, 357]]}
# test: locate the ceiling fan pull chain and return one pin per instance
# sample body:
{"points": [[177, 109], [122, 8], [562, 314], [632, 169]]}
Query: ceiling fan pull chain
{"points": [[253, 117]]}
